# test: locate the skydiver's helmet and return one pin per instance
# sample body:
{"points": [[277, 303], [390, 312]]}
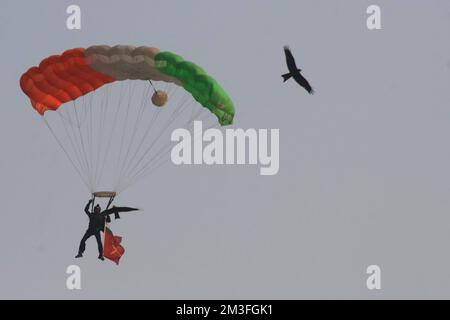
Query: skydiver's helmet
{"points": [[97, 208]]}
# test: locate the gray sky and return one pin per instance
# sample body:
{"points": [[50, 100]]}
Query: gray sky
{"points": [[364, 163]]}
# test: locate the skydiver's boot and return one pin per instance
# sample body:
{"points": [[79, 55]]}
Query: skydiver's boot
{"points": [[79, 255], [101, 257]]}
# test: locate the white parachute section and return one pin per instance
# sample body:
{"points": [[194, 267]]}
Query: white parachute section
{"points": [[120, 133]]}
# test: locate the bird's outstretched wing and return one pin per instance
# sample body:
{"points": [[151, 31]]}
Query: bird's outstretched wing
{"points": [[290, 61], [116, 210], [303, 82]]}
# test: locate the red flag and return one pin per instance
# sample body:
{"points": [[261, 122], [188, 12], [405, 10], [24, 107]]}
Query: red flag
{"points": [[111, 247]]}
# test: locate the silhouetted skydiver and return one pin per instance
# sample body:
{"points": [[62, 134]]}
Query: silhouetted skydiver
{"points": [[295, 72], [97, 220]]}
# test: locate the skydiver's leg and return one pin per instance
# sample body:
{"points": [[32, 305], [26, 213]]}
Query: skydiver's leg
{"points": [[82, 246], [99, 245]]}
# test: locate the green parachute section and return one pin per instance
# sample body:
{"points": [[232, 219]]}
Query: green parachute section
{"points": [[197, 82]]}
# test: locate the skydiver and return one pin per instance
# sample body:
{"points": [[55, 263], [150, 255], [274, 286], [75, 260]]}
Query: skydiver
{"points": [[97, 220]]}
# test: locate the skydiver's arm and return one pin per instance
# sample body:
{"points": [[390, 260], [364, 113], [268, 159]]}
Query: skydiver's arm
{"points": [[86, 209], [108, 212]]}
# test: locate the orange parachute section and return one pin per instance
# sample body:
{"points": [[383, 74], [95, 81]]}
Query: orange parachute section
{"points": [[61, 78]]}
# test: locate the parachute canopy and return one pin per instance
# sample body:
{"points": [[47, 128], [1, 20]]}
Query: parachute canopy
{"points": [[100, 115], [76, 72]]}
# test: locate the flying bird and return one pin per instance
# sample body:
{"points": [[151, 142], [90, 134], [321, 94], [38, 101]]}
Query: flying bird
{"points": [[295, 72]]}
